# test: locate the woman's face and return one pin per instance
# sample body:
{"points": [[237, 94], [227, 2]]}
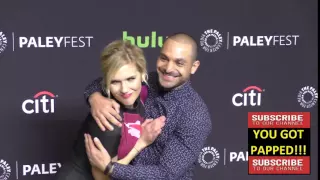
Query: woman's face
{"points": [[125, 86]]}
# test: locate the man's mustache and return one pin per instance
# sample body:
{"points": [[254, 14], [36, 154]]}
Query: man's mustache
{"points": [[174, 74]]}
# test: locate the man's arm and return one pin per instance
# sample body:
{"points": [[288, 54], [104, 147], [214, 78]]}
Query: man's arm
{"points": [[104, 111], [94, 86], [178, 156]]}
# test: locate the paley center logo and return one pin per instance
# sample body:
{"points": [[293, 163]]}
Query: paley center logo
{"points": [[55, 42], [20, 41], [5, 170], [274, 40], [308, 97], [250, 96], [43, 101], [151, 41], [3, 42], [40, 169], [241, 156], [235, 156], [211, 40], [209, 157]]}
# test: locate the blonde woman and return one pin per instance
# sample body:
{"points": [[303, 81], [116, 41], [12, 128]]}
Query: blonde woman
{"points": [[124, 70]]}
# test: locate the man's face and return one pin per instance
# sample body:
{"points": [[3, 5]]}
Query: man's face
{"points": [[175, 64]]}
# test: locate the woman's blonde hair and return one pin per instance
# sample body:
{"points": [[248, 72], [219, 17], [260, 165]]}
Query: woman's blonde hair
{"points": [[117, 54]]}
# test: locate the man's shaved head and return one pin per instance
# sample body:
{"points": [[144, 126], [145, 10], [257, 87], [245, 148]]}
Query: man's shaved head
{"points": [[177, 60], [186, 39]]}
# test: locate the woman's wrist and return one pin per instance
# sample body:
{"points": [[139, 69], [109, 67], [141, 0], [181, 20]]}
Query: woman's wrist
{"points": [[137, 148], [140, 145]]}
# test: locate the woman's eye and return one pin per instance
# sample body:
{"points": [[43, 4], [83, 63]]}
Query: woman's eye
{"points": [[114, 82]]}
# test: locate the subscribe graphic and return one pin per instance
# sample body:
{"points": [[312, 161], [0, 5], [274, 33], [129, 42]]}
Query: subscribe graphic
{"points": [[279, 142]]}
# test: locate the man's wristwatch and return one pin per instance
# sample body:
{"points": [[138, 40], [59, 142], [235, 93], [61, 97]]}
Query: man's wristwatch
{"points": [[108, 168]]}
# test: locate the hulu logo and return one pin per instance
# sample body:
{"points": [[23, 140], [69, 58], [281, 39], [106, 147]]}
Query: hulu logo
{"points": [[144, 42]]}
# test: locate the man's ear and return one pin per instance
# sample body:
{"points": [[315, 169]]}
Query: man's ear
{"points": [[195, 66]]}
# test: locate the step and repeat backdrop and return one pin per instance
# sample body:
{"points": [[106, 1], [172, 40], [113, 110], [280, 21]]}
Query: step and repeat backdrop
{"points": [[256, 56]]}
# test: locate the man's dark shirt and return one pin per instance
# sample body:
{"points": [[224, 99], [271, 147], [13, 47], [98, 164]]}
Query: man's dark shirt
{"points": [[174, 153]]}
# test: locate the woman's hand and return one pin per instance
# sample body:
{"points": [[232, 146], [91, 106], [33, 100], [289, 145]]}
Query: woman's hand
{"points": [[150, 130], [97, 154]]}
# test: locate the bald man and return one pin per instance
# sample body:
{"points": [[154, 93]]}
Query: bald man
{"points": [[174, 153]]}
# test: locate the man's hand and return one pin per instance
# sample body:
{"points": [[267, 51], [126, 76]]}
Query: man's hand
{"points": [[104, 111], [97, 154], [151, 130]]}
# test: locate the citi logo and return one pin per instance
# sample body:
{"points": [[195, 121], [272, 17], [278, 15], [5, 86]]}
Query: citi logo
{"points": [[152, 41], [250, 96], [42, 102]]}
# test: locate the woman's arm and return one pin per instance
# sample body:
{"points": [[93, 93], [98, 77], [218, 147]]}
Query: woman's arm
{"points": [[98, 174], [148, 135], [99, 156], [138, 147]]}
